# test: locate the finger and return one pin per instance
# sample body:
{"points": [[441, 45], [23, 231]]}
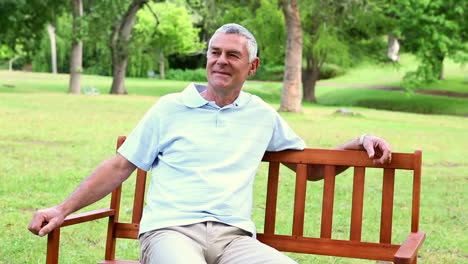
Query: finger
{"points": [[386, 154], [47, 228], [370, 150], [36, 223], [382, 159]]}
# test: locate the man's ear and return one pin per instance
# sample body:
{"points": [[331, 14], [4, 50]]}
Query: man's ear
{"points": [[254, 66]]}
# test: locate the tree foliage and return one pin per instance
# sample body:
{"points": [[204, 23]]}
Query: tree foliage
{"points": [[334, 33], [338, 32], [164, 29], [22, 22], [41, 58], [264, 18], [433, 30]]}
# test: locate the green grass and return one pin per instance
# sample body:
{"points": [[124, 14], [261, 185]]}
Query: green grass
{"points": [[391, 74], [50, 141]]}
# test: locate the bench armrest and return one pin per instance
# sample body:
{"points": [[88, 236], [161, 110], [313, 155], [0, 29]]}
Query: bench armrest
{"points": [[87, 216], [407, 253], [53, 239]]}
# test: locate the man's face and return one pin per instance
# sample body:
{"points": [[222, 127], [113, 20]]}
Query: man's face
{"points": [[227, 65]]}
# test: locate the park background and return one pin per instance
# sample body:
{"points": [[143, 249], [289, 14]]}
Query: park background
{"points": [[397, 66]]}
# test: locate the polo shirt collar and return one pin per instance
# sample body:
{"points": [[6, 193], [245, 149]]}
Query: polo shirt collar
{"points": [[191, 96]]}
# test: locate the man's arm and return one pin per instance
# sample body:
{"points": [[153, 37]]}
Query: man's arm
{"points": [[103, 180], [377, 149]]}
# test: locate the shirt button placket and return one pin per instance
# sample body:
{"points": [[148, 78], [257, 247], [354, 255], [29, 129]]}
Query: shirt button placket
{"points": [[219, 119]]}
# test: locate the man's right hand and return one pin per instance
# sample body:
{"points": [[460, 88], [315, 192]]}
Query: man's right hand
{"points": [[103, 180], [46, 220]]}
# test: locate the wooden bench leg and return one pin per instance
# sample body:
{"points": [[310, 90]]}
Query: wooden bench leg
{"points": [[53, 240]]}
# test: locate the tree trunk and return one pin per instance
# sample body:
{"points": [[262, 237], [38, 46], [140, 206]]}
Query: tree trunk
{"points": [[119, 41], [53, 47], [76, 59], [10, 62], [393, 48], [441, 66], [292, 95], [310, 77], [162, 73]]}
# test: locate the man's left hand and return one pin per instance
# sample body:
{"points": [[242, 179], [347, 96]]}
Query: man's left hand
{"points": [[378, 149]]}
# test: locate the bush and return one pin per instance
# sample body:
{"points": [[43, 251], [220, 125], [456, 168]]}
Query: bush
{"points": [[98, 69], [269, 73], [264, 73], [276, 72], [4, 65], [330, 71], [196, 75]]}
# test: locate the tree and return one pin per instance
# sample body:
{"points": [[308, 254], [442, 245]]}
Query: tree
{"points": [[119, 43], [291, 96], [9, 54], [22, 22], [328, 38], [166, 31], [265, 19], [41, 58], [433, 30], [76, 58], [53, 47], [393, 48], [210, 12], [268, 26]]}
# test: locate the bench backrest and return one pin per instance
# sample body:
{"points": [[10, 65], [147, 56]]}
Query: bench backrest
{"points": [[296, 241], [325, 245]]}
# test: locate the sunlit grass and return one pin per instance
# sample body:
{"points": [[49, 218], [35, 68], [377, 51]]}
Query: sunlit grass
{"points": [[50, 141]]}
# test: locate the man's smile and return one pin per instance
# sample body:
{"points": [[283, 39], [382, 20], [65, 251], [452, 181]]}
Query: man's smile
{"points": [[222, 73]]}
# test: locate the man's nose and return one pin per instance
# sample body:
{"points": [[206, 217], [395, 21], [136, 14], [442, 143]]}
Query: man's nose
{"points": [[222, 59]]}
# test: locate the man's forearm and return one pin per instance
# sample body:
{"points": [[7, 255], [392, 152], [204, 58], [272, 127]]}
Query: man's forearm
{"points": [[103, 180], [352, 145], [316, 172], [377, 149]]}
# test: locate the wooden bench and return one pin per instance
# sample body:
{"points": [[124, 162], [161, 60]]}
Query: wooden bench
{"points": [[354, 247]]}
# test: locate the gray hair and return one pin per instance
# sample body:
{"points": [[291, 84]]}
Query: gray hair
{"points": [[233, 28]]}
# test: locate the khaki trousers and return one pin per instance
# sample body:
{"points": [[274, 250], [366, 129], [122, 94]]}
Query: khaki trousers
{"points": [[206, 243]]}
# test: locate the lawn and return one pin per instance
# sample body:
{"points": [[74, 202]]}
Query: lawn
{"points": [[50, 141]]}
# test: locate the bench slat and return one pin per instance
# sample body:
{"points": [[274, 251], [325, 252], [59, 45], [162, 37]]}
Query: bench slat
{"points": [[126, 230], [387, 206], [327, 202], [139, 198], [349, 158], [416, 191], [331, 247], [357, 203], [299, 200], [271, 199]]}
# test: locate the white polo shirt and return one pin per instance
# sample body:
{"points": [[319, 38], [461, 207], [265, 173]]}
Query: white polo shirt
{"points": [[204, 157]]}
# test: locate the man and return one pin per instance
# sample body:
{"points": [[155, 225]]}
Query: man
{"points": [[203, 146]]}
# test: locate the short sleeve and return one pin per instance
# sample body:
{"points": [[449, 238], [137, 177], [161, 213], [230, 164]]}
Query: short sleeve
{"points": [[284, 137], [142, 145]]}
